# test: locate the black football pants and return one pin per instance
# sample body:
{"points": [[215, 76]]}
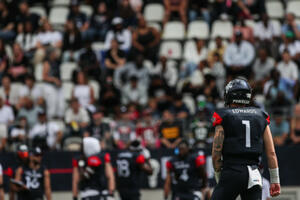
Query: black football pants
{"points": [[234, 182]]}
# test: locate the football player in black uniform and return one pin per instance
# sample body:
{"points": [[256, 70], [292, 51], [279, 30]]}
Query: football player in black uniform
{"points": [[129, 165], [241, 132], [33, 179], [93, 173], [186, 175]]}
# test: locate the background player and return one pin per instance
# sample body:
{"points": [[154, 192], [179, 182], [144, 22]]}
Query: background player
{"points": [[186, 173], [130, 163], [1, 184], [33, 179], [93, 173], [240, 132]]}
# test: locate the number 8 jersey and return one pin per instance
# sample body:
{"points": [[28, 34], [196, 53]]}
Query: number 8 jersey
{"points": [[243, 134]]}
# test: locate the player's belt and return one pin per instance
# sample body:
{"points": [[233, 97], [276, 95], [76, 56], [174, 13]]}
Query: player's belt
{"points": [[89, 193]]}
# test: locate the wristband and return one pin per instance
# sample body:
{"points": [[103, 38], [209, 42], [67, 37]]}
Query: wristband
{"points": [[217, 176], [274, 175]]}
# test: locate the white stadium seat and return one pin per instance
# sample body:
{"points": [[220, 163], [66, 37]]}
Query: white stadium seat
{"points": [[67, 88], [222, 28], [66, 70], [277, 25], [96, 87], [155, 25], [61, 2], [38, 10], [188, 45], [190, 103], [174, 31], [38, 72], [198, 29], [58, 15], [98, 46], [212, 44], [86, 9], [275, 9], [250, 23], [154, 12], [293, 7], [171, 49]]}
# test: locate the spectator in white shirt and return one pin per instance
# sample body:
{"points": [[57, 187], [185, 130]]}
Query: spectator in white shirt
{"points": [[45, 133], [6, 113], [31, 89], [238, 56], [122, 35], [133, 92], [265, 30], [18, 133], [288, 68], [263, 65], [76, 116], [9, 92], [26, 37], [291, 44]]}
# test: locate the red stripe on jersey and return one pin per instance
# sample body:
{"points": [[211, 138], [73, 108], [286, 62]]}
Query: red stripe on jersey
{"points": [[268, 119], [8, 172], [107, 158], [61, 171], [140, 159], [169, 165], [94, 161], [74, 163], [200, 160], [217, 119]]}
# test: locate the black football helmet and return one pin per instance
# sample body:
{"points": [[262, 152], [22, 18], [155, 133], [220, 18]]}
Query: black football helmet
{"points": [[238, 91]]}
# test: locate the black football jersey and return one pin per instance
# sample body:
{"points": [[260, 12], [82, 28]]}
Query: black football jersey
{"points": [[34, 181], [94, 166], [243, 134], [128, 170], [185, 173]]}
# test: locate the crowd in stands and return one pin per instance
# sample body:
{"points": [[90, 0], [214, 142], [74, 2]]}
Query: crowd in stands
{"points": [[104, 74]]}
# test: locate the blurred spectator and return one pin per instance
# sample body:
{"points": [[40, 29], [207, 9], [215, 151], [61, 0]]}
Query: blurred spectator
{"points": [[25, 16], [265, 30], [72, 42], [76, 117], [137, 6], [29, 111], [295, 125], [280, 128], [288, 68], [197, 76], [8, 92], [290, 25], [47, 38], [210, 90], [79, 18], [147, 131], [4, 59], [145, 40], [31, 89], [218, 70], [18, 134], [45, 134], [246, 31], [115, 58], [263, 66], [110, 96], [121, 34], [178, 108], [7, 24], [126, 12], [100, 130], [194, 56], [222, 9], [27, 38], [52, 86], [176, 7], [20, 64], [6, 113], [167, 71], [100, 22], [124, 131], [136, 68], [88, 62], [84, 92], [199, 9], [238, 56], [171, 131], [219, 48], [134, 92], [291, 45], [251, 7]]}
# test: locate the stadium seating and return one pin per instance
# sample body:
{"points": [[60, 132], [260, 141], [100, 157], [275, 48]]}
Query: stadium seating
{"points": [[38, 72], [275, 9], [58, 15], [198, 29], [251, 23], [72, 144], [61, 2], [171, 49], [222, 28], [96, 87], [67, 88], [174, 31], [155, 25], [38, 10], [86, 9], [66, 70], [190, 103], [293, 7], [154, 12], [190, 44]]}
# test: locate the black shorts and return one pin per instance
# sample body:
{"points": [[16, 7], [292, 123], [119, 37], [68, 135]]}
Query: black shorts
{"points": [[97, 197], [234, 182], [185, 196], [127, 194]]}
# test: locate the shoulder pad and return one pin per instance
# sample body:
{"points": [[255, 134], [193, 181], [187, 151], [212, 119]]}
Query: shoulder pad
{"points": [[94, 161]]}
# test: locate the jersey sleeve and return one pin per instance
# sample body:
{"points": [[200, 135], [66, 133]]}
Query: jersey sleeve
{"points": [[200, 160], [74, 162], [140, 159], [266, 116], [217, 118], [169, 165], [107, 158], [94, 161]]}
